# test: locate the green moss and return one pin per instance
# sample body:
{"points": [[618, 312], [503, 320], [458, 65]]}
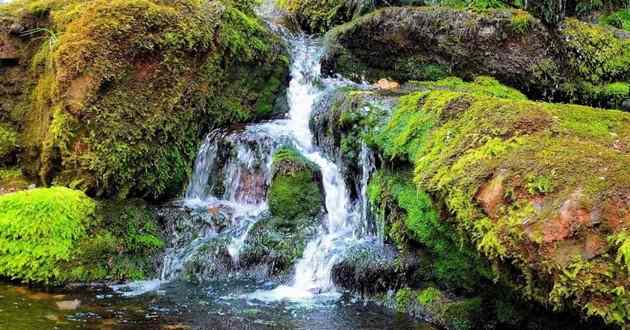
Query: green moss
{"points": [[403, 300], [521, 21], [320, 16], [8, 141], [428, 296], [619, 19], [294, 191], [462, 315], [413, 218], [124, 239], [596, 55], [57, 235], [461, 142], [125, 89], [39, 230]]}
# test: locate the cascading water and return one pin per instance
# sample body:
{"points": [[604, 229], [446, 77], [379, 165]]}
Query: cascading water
{"points": [[233, 171]]}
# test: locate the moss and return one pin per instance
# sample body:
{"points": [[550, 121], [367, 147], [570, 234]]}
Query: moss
{"points": [[595, 54], [415, 219], [38, 232], [8, 141], [294, 191], [58, 235], [124, 240], [429, 295], [619, 19], [125, 89], [404, 298], [320, 16], [462, 315], [521, 21], [549, 156]]}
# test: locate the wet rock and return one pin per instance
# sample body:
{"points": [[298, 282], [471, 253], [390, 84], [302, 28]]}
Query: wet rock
{"points": [[184, 224], [626, 105], [372, 268], [491, 196], [276, 244]]}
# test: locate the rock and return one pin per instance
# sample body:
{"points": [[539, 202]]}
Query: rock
{"points": [[368, 269], [318, 16], [430, 43], [525, 185], [130, 101], [626, 105], [387, 85], [68, 305], [296, 189], [491, 196]]}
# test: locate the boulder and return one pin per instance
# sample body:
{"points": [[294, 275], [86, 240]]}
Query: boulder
{"points": [[371, 268], [119, 95], [531, 188], [576, 62]]}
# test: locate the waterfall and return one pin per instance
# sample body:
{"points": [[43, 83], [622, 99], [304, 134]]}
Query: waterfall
{"points": [[232, 173]]}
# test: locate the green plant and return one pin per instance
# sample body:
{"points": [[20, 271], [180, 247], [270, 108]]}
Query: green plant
{"points": [[622, 242], [521, 21]]}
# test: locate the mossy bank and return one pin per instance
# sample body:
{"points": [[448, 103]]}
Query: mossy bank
{"points": [[114, 97]]}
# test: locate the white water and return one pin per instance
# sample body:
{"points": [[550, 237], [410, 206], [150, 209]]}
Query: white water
{"points": [[344, 218]]}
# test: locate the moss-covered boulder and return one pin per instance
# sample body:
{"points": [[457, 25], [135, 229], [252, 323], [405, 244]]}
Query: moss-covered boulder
{"points": [[120, 93], [543, 187], [295, 203], [576, 62], [295, 190], [320, 16], [58, 235], [494, 188]]}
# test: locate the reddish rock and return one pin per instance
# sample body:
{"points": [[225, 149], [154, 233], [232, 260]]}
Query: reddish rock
{"points": [[572, 216], [387, 85], [491, 196], [594, 245]]}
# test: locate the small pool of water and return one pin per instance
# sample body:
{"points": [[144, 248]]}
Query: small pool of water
{"points": [[178, 305]]}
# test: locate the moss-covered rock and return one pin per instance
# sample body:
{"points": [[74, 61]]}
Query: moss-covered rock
{"points": [[58, 235], [542, 186], [295, 190], [124, 90], [295, 203], [320, 16], [538, 190], [577, 62]]}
